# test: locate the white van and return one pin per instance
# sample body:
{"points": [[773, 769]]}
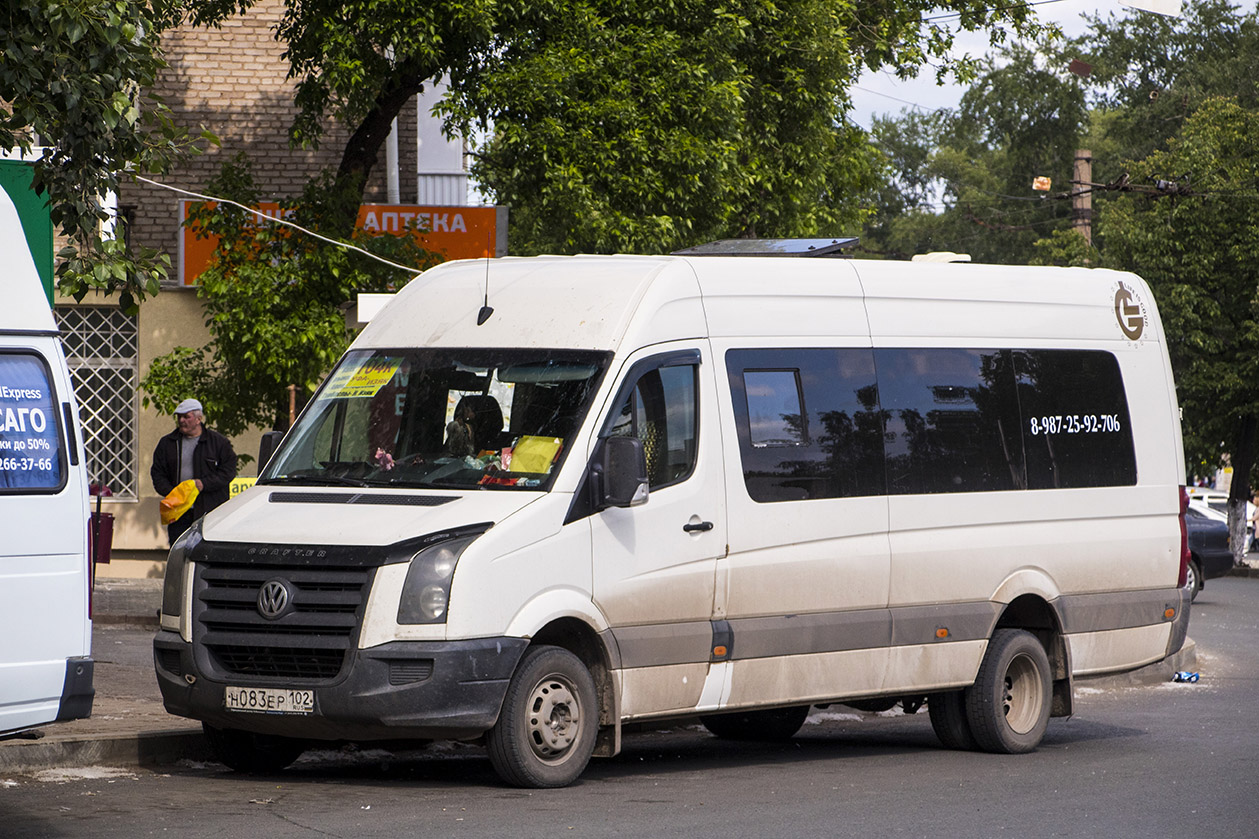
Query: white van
{"points": [[45, 624], [540, 498]]}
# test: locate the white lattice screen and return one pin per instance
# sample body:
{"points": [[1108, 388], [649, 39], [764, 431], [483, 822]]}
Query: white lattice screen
{"points": [[100, 344]]}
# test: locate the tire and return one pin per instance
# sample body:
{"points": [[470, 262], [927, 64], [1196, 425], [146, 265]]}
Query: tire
{"points": [[1193, 579], [546, 731], [948, 718], [766, 726], [1008, 706], [244, 751]]}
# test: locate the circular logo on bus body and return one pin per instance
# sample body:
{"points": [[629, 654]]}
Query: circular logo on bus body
{"points": [[1130, 312]]}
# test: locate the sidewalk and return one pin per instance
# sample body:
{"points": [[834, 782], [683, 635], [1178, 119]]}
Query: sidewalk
{"points": [[129, 726]]}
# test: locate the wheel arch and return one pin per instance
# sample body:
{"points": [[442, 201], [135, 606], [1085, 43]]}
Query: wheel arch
{"points": [[582, 640], [1035, 614]]}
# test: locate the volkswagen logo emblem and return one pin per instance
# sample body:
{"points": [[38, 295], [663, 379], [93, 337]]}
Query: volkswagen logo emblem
{"points": [[273, 599]]}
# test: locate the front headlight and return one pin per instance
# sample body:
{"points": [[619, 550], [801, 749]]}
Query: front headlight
{"points": [[426, 592], [176, 562]]}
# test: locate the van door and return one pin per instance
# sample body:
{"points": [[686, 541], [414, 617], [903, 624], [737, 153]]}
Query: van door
{"points": [[804, 588], [654, 564]]}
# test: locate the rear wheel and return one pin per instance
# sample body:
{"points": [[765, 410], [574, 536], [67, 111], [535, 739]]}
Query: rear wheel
{"points": [[768, 725], [546, 731], [1008, 706], [948, 718], [1193, 579], [245, 751]]}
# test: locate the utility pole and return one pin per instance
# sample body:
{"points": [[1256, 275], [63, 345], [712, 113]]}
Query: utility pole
{"points": [[1082, 194]]}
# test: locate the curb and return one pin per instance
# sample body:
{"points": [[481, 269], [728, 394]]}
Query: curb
{"points": [[1243, 571], [147, 748], [116, 621]]}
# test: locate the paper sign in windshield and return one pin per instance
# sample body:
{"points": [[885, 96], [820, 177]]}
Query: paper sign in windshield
{"points": [[362, 380]]}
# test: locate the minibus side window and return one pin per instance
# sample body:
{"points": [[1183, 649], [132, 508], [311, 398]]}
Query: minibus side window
{"points": [[809, 423], [31, 453], [661, 411], [776, 415], [952, 420]]}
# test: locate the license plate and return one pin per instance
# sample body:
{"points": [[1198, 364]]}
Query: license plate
{"points": [[269, 700]]}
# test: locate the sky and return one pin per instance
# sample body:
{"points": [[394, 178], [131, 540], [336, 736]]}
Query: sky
{"points": [[881, 93]]}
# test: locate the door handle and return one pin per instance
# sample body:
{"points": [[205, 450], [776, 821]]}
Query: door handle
{"points": [[700, 527]]}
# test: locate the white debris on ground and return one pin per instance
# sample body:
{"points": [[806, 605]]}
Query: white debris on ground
{"points": [[819, 717], [83, 773]]}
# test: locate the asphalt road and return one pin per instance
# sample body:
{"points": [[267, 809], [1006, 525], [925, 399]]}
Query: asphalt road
{"points": [[1165, 761]]}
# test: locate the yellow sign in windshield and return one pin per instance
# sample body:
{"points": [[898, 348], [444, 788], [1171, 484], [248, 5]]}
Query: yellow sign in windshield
{"points": [[363, 380]]}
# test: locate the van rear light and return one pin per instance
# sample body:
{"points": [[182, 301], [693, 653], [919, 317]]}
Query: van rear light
{"points": [[1184, 539]]}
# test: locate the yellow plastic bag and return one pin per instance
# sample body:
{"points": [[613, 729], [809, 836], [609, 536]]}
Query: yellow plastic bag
{"points": [[178, 502], [535, 454]]}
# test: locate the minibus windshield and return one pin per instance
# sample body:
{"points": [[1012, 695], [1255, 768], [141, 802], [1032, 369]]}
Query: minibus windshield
{"points": [[441, 418]]}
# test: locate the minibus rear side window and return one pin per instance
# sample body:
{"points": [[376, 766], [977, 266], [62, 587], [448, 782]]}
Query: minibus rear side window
{"points": [[31, 453], [1076, 428]]}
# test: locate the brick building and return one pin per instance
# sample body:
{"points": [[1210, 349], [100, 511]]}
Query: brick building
{"points": [[231, 80]]}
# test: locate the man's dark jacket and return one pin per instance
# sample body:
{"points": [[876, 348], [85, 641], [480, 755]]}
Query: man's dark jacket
{"points": [[213, 463]]}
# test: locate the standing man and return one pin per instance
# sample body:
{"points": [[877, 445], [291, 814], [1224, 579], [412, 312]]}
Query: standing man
{"points": [[193, 452]]}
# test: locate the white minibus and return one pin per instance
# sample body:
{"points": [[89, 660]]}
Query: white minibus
{"points": [[45, 626], [541, 498]]}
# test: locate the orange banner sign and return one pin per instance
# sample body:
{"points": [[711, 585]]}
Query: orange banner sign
{"points": [[453, 232]]}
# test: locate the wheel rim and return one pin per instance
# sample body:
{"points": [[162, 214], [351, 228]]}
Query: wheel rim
{"points": [[1191, 578], [554, 719], [1022, 695]]}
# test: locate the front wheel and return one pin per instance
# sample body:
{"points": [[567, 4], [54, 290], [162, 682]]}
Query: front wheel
{"points": [[245, 751], [1008, 706], [546, 731]]}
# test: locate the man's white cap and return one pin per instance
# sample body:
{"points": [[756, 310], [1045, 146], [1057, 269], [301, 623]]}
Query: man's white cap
{"points": [[188, 405]]}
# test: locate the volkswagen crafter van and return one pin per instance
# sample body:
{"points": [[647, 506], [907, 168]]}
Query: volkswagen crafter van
{"points": [[46, 667], [540, 498]]}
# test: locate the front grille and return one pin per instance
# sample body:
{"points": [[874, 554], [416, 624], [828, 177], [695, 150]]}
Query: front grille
{"points": [[310, 640]]}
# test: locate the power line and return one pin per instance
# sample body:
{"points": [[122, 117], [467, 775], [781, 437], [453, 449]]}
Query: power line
{"points": [[285, 222]]}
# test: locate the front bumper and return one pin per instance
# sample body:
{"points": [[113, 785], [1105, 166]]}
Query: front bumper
{"points": [[447, 690]]}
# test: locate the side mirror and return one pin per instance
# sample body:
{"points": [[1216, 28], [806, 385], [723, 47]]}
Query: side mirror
{"points": [[270, 442], [622, 469]]}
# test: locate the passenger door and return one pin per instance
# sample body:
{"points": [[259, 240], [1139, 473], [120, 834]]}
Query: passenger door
{"points": [[804, 588], [654, 564]]}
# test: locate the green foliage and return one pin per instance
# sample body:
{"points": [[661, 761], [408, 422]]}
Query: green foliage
{"points": [[1065, 248], [73, 73], [271, 298], [643, 125], [962, 180], [1200, 254], [1153, 78], [1158, 70]]}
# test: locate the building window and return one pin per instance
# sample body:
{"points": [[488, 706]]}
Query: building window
{"points": [[100, 344]]}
